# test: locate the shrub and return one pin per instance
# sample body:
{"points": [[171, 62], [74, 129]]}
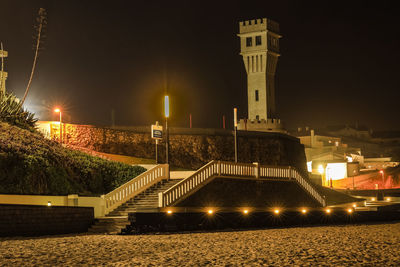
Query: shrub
{"points": [[31, 164], [12, 112]]}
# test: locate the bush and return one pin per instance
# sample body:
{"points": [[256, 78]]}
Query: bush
{"points": [[14, 114], [30, 164]]}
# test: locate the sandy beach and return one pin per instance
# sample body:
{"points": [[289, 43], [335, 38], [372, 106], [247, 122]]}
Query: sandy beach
{"points": [[347, 245]]}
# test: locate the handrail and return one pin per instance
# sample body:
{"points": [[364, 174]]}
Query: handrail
{"points": [[309, 187], [135, 186], [183, 187], [231, 169]]}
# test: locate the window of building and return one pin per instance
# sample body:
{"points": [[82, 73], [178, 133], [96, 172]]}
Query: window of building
{"points": [[249, 41], [257, 95], [258, 40], [257, 117]]}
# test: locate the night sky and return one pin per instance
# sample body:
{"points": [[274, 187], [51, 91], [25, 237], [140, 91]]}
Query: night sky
{"points": [[339, 60]]}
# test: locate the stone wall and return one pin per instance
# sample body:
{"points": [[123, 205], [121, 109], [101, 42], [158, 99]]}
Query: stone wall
{"points": [[30, 220], [191, 148]]}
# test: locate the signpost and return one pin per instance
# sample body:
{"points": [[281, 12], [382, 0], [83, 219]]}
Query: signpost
{"points": [[157, 134]]}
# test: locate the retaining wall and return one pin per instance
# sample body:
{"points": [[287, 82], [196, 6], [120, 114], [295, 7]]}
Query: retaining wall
{"points": [[30, 220], [191, 148]]}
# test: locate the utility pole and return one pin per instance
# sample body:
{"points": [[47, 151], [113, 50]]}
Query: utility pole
{"points": [[235, 125]]}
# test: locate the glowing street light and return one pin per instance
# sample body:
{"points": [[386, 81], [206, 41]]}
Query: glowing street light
{"points": [[58, 110], [166, 114]]}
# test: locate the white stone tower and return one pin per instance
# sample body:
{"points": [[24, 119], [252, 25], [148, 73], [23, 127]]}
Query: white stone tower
{"points": [[259, 47], [3, 74]]}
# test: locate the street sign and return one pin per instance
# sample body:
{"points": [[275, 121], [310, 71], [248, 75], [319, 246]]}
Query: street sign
{"points": [[156, 131]]}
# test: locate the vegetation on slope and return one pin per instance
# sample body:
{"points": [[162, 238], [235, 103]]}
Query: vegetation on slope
{"points": [[31, 164], [12, 112]]}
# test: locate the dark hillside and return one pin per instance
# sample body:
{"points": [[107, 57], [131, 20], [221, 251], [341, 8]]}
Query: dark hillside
{"points": [[31, 164]]}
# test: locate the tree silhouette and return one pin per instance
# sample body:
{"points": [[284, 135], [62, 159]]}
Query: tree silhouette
{"points": [[41, 21]]}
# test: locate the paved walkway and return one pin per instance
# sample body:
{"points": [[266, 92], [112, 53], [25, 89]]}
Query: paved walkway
{"points": [[363, 245]]}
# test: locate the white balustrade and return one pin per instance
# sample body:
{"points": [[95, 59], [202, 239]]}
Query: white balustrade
{"points": [[230, 169], [135, 186]]}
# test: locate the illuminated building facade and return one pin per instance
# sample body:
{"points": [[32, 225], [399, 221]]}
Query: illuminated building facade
{"points": [[3, 74], [259, 47]]}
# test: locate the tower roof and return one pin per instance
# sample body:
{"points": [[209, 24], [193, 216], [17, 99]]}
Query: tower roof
{"points": [[256, 25]]}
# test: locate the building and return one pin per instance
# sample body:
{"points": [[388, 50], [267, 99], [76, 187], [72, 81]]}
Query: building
{"points": [[361, 132], [259, 47], [328, 156], [3, 74]]}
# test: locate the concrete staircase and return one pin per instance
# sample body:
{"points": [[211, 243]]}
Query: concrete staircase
{"points": [[117, 221]]}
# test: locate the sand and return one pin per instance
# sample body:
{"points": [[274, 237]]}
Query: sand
{"points": [[349, 245]]}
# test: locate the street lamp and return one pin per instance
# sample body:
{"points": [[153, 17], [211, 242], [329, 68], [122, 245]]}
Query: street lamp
{"points": [[58, 110], [166, 114]]}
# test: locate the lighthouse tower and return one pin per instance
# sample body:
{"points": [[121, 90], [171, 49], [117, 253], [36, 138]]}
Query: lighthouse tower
{"points": [[259, 47], [3, 74]]}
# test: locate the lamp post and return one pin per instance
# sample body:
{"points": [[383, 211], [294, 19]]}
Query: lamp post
{"points": [[166, 114], [235, 125], [58, 110]]}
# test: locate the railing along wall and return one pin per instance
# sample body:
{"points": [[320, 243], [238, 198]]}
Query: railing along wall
{"points": [[231, 169], [135, 186], [308, 187]]}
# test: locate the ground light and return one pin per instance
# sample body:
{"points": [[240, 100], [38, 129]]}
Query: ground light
{"points": [[350, 210], [210, 212], [49, 203], [277, 211], [304, 211], [388, 199], [246, 212], [373, 199], [169, 211], [328, 211], [354, 205]]}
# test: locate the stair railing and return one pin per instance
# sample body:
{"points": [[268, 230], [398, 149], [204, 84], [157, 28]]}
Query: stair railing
{"points": [[135, 186], [308, 186], [183, 187], [230, 169]]}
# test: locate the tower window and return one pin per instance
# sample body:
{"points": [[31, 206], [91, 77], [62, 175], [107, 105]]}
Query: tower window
{"points": [[257, 95], [249, 41], [258, 40]]}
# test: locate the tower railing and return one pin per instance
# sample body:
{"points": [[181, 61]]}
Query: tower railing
{"points": [[135, 186], [222, 169]]}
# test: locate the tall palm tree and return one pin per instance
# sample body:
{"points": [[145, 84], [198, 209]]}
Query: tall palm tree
{"points": [[41, 25], [2, 65]]}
